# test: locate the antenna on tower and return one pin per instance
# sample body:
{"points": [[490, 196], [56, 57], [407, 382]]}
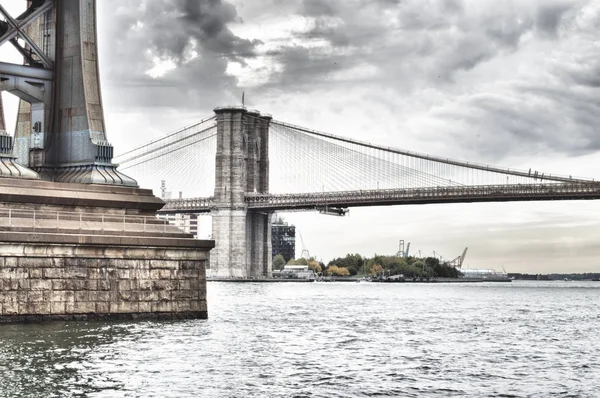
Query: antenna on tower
{"points": [[243, 103]]}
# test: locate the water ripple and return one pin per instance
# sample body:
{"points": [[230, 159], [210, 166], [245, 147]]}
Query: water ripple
{"points": [[533, 339]]}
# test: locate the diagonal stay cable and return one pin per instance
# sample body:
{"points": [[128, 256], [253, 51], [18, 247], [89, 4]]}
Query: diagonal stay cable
{"points": [[166, 137], [447, 161], [169, 152], [166, 146]]}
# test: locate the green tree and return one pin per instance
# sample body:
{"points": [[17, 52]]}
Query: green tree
{"points": [[301, 261], [337, 271], [375, 269], [278, 262], [352, 262], [297, 261], [315, 266]]}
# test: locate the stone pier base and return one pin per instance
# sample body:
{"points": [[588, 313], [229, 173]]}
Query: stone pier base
{"points": [[46, 281], [118, 263]]}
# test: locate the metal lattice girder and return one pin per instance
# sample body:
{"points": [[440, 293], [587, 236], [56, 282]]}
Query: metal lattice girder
{"points": [[16, 28]]}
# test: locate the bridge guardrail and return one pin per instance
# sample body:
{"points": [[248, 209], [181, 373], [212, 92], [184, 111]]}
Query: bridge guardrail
{"points": [[61, 220]]}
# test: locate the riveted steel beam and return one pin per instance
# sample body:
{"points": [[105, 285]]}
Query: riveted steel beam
{"points": [[12, 32], [25, 71], [17, 29]]}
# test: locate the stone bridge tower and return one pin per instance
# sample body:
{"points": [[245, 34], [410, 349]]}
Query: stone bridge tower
{"points": [[243, 238]]}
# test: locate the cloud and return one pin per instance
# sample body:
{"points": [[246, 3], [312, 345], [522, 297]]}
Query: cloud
{"points": [[481, 74], [183, 45], [550, 106]]}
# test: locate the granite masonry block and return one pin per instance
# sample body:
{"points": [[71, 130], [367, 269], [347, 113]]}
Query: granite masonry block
{"points": [[24, 284], [102, 307], [41, 284], [74, 287], [54, 273], [36, 273], [103, 284], [10, 262]]}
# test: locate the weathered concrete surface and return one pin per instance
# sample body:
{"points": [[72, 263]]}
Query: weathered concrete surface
{"points": [[243, 244], [66, 268]]}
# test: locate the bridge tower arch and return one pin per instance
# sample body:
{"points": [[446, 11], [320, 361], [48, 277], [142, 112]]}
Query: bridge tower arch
{"points": [[243, 238]]}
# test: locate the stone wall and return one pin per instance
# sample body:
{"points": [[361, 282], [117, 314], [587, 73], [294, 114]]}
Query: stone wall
{"points": [[146, 283], [64, 255]]}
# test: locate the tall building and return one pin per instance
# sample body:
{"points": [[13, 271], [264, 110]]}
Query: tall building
{"points": [[283, 238]]}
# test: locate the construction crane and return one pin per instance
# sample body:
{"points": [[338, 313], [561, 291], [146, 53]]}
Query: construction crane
{"points": [[401, 251], [305, 254], [462, 258], [458, 261]]}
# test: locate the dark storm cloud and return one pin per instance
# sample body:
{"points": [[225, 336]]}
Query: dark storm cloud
{"points": [[527, 118], [191, 34], [317, 8], [175, 25], [548, 16], [555, 108], [410, 46], [431, 39], [421, 44]]}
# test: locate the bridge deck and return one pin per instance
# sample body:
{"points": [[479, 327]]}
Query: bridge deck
{"points": [[410, 196]]}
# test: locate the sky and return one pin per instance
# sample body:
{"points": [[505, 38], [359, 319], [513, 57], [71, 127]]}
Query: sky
{"points": [[514, 83]]}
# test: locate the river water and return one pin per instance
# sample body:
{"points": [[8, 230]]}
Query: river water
{"points": [[521, 339]]}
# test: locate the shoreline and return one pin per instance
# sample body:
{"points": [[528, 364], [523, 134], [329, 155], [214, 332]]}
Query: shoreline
{"points": [[354, 280]]}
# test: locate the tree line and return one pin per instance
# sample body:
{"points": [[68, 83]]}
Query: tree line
{"points": [[355, 264]]}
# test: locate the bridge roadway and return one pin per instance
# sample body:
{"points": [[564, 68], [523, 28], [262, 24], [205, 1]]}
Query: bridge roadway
{"points": [[405, 196]]}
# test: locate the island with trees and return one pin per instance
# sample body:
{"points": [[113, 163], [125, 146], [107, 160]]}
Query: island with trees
{"points": [[379, 267]]}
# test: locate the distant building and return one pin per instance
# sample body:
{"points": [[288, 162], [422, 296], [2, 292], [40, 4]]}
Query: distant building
{"points": [[283, 238], [295, 272], [528, 277], [488, 274], [186, 222]]}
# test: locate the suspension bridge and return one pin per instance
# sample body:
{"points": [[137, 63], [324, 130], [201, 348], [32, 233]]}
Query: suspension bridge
{"points": [[240, 165]]}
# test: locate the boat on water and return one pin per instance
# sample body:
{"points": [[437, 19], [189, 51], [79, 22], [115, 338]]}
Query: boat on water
{"points": [[487, 275]]}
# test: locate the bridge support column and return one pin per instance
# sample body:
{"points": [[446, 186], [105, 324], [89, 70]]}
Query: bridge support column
{"points": [[259, 251], [242, 237]]}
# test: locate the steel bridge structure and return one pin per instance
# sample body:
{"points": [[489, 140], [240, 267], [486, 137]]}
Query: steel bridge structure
{"points": [[391, 197], [240, 166]]}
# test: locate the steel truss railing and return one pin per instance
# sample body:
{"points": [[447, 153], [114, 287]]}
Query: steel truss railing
{"points": [[381, 197], [191, 205]]}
